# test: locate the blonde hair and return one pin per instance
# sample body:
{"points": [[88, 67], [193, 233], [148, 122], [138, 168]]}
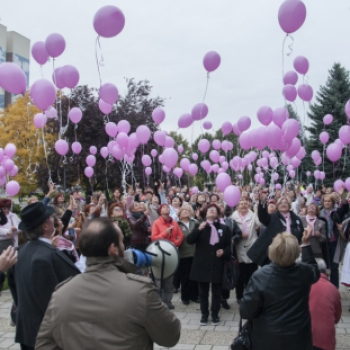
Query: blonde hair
{"points": [[284, 249], [187, 207], [284, 198]]}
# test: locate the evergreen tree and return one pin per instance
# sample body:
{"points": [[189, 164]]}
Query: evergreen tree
{"points": [[330, 99]]}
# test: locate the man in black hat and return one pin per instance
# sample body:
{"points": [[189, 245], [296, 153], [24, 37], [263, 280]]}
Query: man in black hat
{"points": [[39, 269]]}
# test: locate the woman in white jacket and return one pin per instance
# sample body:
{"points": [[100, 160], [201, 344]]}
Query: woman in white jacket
{"points": [[248, 222]]}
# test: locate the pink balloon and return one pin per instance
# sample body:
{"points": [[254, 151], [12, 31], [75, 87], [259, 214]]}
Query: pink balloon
{"points": [[170, 157], [291, 15], [104, 152], [203, 145], [76, 147], [289, 92], [51, 112], [169, 142], [124, 126], [290, 129], [39, 52], [61, 147], [296, 162], [291, 77], [244, 140], [338, 185], [8, 164], [166, 169], [109, 21], [43, 93], [226, 128], [344, 134], [12, 78], [232, 195], [109, 93], [148, 171], [333, 152], [259, 138], [12, 188], [305, 92], [301, 64], [294, 148], [178, 172], [10, 150], [199, 111], [88, 171], [318, 161], [315, 154], [216, 144], [193, 169], [75, 115], [301, 154], [93, 150], [104, 107], [236, 130], [110, 146], [117, 152], [347, 109], [90, 160], [111, 129], [158, 115], [70, 76], [55, 44], [180, 149], [154, 153], [14, 171], [265, 115], [225, 146], [207, 125], [143, 134], [159, 138], [327, 119], [324, 137], [40, 120], [214, 156], [222, 181], [322, 175], [278, 186], [185, 163], [244, 123], [280, 115], [308, 173], [194, 156], [122, 139], [57, 78], [211, 61], [146, 160], [275, 176], [347, 184]]}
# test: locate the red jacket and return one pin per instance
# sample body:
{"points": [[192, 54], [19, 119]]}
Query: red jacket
{"points": [[159, 231], [325, 310]]}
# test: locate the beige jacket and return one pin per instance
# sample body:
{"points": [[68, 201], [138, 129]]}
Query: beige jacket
{"points": [[107, 308]]}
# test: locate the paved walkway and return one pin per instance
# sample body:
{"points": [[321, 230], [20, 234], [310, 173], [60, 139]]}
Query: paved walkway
{"points": [[193, 336]]}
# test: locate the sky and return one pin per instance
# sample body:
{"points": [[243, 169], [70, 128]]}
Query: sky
{"points": [[165, 41]]}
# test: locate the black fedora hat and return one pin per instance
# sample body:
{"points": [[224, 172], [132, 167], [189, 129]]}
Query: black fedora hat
{"points": [[33, 215]]}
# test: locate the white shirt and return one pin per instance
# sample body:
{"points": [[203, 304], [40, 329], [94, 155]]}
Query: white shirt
{"points": [[46, 240]]}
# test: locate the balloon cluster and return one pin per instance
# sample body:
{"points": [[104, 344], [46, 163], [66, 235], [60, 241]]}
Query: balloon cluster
{"points": [[8, 169]]}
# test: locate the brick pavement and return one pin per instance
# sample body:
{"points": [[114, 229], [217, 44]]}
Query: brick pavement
{"points": [[193, 336]]}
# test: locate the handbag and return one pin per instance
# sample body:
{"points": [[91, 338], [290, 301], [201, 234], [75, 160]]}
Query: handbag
{"points": [[230, 274], [243, 341]]}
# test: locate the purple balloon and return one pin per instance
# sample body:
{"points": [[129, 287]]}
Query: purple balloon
{"points": [[211, 61], [55, 44], [265, 115], [146, 160], [104, 107], [93, 150], [338, 185], [148, 171], [158, 115], [122, 139], [308, 173], [10, 150], [244, 140], [294, 148], [57, 78], [51, 112], [88, 171], [109, 93], [8, 164], [291, 15], [75, 115], [169, 142], [347, 184], [315, 154], [61, 147], [327, 119], [226, 128], [170, 157], [274, 134], [203, 145], [43, 93], [216, 144], [289, 92], [347, 109], [322, 175], [222, 181], [194, 156], [280, 115], [109, 21], [12, 188], [104, 152], [225, 146], [178, 172], [305, 92], [290, 129], [334, 152], [236, 130], [193, 169], [14, 171], [180, 149], [143, 134], [232, 195], [199, 111], [185, 163], [344, 134], [12, 78], [117, 152], [207, 125], [185, 121], [39, 52], [40, 120], [244, 123], [301, 64], [70, 76], [111, 129], [159, 138], [214, 156], [90, 160], [291, 77], [324, 137], [154, 153], [76, 147], [124, 126]]}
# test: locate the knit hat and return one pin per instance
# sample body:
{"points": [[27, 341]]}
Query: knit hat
{"points": [[5, 203]]}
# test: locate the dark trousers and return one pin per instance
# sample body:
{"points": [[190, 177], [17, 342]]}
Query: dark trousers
{"points": [[189, 288], [26, 347], [204, 298], [316, 348], [334, 266], [225, 294], [177, 279], [245, 271], [4, 244]]}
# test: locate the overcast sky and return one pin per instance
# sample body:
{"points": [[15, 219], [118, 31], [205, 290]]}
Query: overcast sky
{"points": [[165, 41]]}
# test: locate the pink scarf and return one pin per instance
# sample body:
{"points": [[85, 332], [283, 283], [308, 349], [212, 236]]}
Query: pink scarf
{"points": [[214, 237], [287, 217], [62, 243], [244, 223], [311, 220]]}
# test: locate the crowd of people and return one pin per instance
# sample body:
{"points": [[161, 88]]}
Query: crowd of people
{"points": [[291, 299]]}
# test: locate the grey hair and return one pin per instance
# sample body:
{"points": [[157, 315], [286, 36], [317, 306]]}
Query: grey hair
{"points": [[322, 267]]}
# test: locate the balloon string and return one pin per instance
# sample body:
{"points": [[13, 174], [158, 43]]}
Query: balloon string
{"points": [[290, 47], [99, 62], [107, 177], [344, 162], [45, 152], [324, 147]]}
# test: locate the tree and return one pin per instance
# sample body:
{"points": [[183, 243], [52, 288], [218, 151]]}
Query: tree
{"points": [[180, 140], [330, 99], [17, 127]]}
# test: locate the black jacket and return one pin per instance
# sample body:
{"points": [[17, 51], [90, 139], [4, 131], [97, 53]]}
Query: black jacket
{"points": [[206, 266], [39, 269], [277, 301], [275, 224]]}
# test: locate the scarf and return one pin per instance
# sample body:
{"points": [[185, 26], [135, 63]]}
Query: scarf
{"points": [[327, 215], [214, 237], [222, 220], [62, 243], [311, 220], [287, 218], [244, 223]]}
